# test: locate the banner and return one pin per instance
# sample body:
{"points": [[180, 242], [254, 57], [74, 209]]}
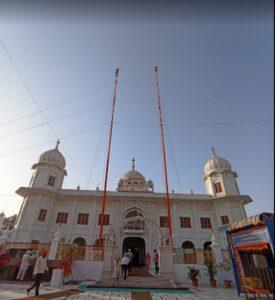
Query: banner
{"points": [[250, 237]]}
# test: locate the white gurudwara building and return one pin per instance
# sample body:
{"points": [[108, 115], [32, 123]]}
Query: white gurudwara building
{"points": [[135, 213]]}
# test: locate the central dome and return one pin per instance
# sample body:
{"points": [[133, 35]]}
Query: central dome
{"points": [[133, 181], [133, 175]]}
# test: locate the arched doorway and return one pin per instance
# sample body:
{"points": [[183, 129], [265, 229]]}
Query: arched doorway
{"points": [[189, 254], [207, 252], [81, 247], [137, 246], [207, 245], [188, 245]]}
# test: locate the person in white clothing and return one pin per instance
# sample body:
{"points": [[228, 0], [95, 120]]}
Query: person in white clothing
{"points": [[131, 257], [124, 264], [39, 270], [26, 260]]}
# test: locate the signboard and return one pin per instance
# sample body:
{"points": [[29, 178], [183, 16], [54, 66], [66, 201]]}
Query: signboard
{"points": [[250, 237]]}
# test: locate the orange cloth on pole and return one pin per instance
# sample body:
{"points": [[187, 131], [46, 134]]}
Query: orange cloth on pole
{"points": [[66, 263], [4, 258]]}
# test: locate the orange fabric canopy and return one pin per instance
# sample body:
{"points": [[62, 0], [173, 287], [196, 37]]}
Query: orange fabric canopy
{"points": [[255, 247]]}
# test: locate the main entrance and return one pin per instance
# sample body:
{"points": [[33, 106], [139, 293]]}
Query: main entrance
{"points": [[137, 246]]}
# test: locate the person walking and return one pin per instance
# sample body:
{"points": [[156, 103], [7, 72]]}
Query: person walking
{"points": [[26, 261], [156, 260], [124, 264], [39, 270], [147, 261], [131, 257], [117, 271]]}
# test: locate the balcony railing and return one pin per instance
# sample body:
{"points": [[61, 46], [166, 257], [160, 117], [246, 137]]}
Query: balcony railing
{"points": [[195, 256], [16, 250], [134, 227]]}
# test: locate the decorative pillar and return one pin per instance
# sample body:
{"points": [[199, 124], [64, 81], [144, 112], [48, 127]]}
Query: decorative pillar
{"points": [[110, 253], [166, 261], [216, 249], [54, 244]]}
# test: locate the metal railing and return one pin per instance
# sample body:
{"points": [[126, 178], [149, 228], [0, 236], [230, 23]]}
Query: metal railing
{"points": [[265, 274], [195, 256], [16, 250]]}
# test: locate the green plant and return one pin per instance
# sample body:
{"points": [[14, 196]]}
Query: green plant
{"points": [[193, 273], [211, 269], [225, 266]]}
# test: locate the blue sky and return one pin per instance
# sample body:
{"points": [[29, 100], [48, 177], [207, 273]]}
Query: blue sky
{"points": [[210, 72]]}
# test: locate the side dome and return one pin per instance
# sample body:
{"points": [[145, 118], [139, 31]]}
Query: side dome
{"points": [[216, 163], [53, 156]]}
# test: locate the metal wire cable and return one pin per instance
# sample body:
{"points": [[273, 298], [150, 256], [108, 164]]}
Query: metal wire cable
{"points": [[38, 107], [55, 105], [52, 141], [53, 120]]}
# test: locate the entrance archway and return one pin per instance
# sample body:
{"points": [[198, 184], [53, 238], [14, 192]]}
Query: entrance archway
{"points": [[81, 247], [137, 246]]}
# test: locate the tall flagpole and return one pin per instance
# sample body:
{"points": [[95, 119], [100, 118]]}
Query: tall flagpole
{"points": [[107, 163], [168, 202]]}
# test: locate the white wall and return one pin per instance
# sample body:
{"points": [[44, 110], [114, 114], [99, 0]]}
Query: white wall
{"points": [[87, 270], [180, 271]]}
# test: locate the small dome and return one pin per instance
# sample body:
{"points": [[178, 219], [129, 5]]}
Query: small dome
{"points": [[53, 156], [216, 163]]}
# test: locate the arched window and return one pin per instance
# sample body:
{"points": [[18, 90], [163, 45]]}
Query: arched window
{"points": [[135, 224], [81, 249], [207, 252], [133, 213], [188, 245], [80, 241], [207, 245], [189, 255]]}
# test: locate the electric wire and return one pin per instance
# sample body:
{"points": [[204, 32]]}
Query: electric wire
{"points": [[55, 105], [54, 120], [173, 158], [53, 140], [204, 99], [145, 124], [97, 155], [197, 124], [139, 101], [38, 107]]}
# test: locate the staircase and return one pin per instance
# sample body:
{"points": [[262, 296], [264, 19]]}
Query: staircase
{"points": [[141, 278], [147, 282]]}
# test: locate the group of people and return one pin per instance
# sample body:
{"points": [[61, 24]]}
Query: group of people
{"points": [[39, 270], [156, 261], [123, 266]]}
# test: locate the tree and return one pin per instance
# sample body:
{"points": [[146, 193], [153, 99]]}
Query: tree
{"points": [[9, 222]]}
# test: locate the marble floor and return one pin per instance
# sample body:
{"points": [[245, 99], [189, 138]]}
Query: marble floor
{"points": [[16, 291]]}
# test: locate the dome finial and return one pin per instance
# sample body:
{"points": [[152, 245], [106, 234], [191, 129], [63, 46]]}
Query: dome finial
{"points": [[133, 164], [57, 144], [213, 151]]}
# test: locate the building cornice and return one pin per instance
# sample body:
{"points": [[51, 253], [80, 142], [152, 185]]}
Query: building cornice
{"points": [[97, 195]]}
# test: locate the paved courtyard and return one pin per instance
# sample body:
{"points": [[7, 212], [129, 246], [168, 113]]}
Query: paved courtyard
{"points": [[17, 291]]}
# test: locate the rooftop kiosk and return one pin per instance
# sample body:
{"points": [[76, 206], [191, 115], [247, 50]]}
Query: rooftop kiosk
{"points": [[251, 248]]}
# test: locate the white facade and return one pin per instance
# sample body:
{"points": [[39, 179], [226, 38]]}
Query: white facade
{"points": [[134, 198]]}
